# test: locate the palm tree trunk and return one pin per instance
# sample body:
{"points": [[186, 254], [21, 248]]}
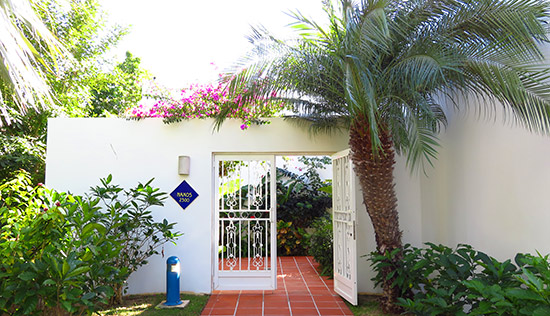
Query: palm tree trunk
{"points": [[375, 172]]}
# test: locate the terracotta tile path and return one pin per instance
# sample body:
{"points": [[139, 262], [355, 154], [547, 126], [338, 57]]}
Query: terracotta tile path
{"points": [[300, 291]]}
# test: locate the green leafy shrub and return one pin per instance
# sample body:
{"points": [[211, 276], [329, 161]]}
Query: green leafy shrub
{"points": [[291, 240], [129, 220], [320, 245], [438, 280], [302, 198], [50, 245], [527, 293], [22, 152], [61, 253]]}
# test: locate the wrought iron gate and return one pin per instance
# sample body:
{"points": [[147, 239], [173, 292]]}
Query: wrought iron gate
{"points": [[245, 215], [343, 207]]}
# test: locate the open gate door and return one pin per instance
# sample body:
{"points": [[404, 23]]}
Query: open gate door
{"points": [[245, 244], [343, 219]]}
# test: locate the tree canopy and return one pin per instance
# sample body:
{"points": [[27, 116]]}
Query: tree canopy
{"points": [[386, 70]]}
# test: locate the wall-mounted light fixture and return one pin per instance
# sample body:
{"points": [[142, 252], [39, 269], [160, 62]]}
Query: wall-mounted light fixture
{"points": [[183, 165]]}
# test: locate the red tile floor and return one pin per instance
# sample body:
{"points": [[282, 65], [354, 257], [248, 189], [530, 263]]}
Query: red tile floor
{"points": [[300, 291]]}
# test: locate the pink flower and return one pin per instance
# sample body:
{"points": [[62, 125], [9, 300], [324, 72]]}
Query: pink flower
{"points": [[244, 126]]}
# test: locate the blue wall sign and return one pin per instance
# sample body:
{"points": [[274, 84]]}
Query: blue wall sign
{"points": [[184, 194]]}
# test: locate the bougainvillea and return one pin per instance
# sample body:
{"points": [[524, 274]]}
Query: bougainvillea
{"points": [[211, 100]]}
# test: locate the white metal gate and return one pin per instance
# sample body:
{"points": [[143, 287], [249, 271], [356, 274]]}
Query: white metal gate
{"points": [[343, 207], [245, 249]]}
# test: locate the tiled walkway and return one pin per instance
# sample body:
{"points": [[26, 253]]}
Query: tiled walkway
{"points": [[300, 291]]}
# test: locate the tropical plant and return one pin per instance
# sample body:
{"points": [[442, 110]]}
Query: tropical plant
{"points": [[23, 83], [128, 219], [383, 69], [22, 152], [299, 198], [63, 253], [321, 245], [438, 280], [85, 84], [291, 239], [54, 255], [209, 100]]}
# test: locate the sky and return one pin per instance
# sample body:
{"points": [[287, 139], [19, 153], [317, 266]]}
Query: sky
{"points": [[182, 41]]}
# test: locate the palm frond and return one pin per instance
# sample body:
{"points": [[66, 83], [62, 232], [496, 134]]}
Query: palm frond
{"points": [[385, 62], [524, 93], [23, 80], [317, 124]]}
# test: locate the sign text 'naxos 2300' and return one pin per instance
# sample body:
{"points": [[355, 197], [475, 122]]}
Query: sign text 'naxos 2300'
{"points": [[184, 194]]}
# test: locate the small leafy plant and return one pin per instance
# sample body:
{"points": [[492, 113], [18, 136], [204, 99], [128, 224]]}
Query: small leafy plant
{"points": [[303, 198], [438, 280], [291, 240], [54, 254], [62, 253], [129, 220], [22, 152], [320, 245]]}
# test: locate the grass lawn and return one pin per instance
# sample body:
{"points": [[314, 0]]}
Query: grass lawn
{"points": [[367, 306], [144, 305]]}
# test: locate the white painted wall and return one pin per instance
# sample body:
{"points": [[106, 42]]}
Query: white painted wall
{"points": [[490, 188], [80, 151]]}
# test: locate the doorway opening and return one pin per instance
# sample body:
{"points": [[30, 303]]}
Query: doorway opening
{"points": [[267, 205]]}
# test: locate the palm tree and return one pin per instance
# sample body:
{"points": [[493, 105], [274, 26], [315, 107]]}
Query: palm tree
{"points": [[22, 84], [383, 69]]}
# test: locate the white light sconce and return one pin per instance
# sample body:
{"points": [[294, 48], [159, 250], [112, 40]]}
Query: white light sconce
{"points": [[183, 165]]}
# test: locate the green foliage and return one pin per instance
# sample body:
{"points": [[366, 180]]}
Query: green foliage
{"points": [[83, 27], [22, 152], [114, 92], [301, 198], [54, 252], [300, 201], [320, 245], [210, 100], [85, 83], [22, 82], [291, 240], [130, 221], [528, 293], [385, 64], [438, 280], [61, 253]]}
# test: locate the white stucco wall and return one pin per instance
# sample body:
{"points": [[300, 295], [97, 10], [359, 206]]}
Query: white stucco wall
{"points": [[80, 151], [489, 188]]}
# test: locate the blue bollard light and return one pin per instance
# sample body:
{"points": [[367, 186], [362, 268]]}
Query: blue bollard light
{"points": [[173, 281]]}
